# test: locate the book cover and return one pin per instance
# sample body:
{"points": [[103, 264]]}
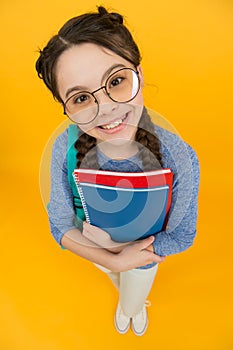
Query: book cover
{"points": [[145, 179], [125, 179], [127, 214]]}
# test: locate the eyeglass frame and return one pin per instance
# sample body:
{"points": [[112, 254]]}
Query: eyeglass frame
{"points": [[106, 92]]}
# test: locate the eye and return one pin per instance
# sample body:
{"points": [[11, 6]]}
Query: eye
{"points": [[115, 81], [80, 98]]}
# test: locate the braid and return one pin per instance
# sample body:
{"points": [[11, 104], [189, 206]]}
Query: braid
{"points": [[86, 155], [148, 144]]}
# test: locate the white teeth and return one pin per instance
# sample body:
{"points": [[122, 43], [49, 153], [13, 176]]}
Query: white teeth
{"points": [[112, 125]]}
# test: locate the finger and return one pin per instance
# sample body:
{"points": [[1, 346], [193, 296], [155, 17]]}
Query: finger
{"points": [[90, 227], [86, 233], [158, 258], [87, 225], [89, 230], [153, 257], [144, 243]]}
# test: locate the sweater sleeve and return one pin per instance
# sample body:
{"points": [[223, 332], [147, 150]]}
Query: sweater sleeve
{"points": [[181, 227], [61, 211]]}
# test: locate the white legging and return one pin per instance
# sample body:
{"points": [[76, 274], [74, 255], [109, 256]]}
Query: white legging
{"points": [[133, 285]]}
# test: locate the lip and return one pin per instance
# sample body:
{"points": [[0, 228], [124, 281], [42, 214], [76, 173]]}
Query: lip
{"points": [[117, 128]]}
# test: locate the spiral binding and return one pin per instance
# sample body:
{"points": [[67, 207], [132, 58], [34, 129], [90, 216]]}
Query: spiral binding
{"points": [[80, 191]]}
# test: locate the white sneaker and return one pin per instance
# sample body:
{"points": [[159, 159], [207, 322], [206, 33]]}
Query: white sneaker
{"points": [[122, 322], [140, 321]]}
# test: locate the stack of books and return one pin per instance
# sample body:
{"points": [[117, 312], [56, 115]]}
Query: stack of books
{"points": [[129, 206]]}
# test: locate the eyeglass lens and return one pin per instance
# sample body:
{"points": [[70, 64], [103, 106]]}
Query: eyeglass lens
{"points": [[121, 86]]}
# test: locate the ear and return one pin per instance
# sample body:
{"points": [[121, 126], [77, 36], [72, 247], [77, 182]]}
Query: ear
{"points": [[139, 69]]}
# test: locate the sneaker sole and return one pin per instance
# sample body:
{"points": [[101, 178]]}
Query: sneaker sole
{"points": [[121, 331], [142, 332]]}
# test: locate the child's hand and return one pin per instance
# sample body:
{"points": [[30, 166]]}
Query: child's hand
{"points": [[102, 238], [137, 254], [150, 248], [96, 235]]}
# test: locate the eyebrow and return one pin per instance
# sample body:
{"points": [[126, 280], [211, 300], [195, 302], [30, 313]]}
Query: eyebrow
{"points": [[75, 88], [106, 74]]}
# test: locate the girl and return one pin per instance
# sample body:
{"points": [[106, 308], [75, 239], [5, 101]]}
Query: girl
{"points": [[92, 67]]}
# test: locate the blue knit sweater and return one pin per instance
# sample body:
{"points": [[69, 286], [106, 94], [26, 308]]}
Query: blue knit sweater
{"points": [[176, 154]]}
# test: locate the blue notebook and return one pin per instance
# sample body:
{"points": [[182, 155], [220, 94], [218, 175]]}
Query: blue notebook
{"points": [[127, 214]]}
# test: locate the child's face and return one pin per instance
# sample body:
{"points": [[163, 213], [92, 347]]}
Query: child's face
{"points": [[86, 67]]}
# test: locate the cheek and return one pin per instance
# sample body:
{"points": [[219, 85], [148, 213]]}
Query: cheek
{"points": [[139, 100], [91, 130], [137, 112], [140, 97], [86, 129]]}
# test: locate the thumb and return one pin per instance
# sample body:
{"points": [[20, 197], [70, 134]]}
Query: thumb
{"points": [[146, 242]]}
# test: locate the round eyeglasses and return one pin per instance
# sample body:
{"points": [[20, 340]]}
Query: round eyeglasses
{"points": [[121, 86]]}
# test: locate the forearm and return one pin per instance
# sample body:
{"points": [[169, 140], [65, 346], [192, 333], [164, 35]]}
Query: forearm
{"points": [[99, 237], [118, 247], [181, 229], [172, 243], [74, 241]]}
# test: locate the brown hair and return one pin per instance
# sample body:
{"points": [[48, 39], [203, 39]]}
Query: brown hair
{"points": [[107, 30]]}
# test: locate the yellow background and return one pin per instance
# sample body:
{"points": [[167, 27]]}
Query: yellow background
{"points": [[51, 299]]}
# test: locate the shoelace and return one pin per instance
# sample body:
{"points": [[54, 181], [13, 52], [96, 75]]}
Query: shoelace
{"points": [[147, 303]]}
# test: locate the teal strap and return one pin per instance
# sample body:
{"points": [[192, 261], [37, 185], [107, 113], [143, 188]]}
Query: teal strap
{"points": [[73, 133], [71, 156], [71, 165]]}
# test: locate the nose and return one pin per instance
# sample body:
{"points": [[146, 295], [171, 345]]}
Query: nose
{"points": [[106, 105], [105, 109]]}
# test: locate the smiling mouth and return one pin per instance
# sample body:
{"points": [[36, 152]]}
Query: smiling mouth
{"points": [[114, 124]]}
